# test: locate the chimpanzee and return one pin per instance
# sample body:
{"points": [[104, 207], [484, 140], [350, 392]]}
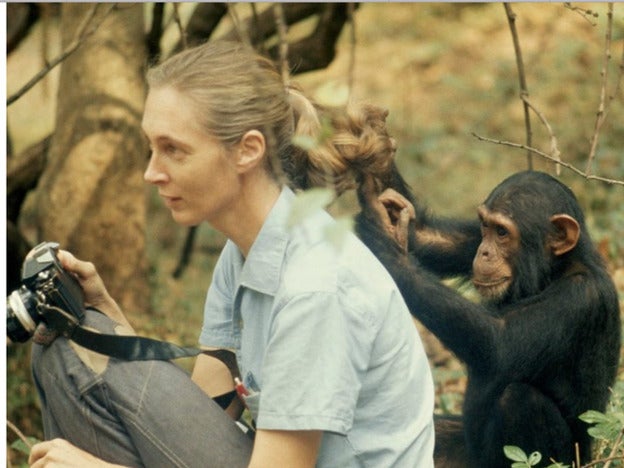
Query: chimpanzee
{"points": [[542, 348]]}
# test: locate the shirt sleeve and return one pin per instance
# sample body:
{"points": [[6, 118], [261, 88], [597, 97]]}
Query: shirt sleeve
{"points": [[316, 358], [217, 329]]}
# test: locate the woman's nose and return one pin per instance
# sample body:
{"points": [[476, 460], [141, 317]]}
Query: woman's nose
{"points": [[153, 174]]}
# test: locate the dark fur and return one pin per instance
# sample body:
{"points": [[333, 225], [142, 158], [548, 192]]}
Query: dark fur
{"points": [[541, 356]]}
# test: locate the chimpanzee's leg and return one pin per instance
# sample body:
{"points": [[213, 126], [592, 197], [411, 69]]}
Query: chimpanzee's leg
{"points": [[514, 420], [450, 443], [141, 413]]}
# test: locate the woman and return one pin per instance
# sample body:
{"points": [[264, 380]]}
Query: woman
{"points": [[327, 352]]}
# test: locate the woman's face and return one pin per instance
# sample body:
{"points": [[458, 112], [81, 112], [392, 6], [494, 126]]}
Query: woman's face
{"points": [[195, 174]]}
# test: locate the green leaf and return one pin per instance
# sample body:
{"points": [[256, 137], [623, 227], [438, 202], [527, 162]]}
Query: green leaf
{"points": [[515, 453], [21, 446], [535, 458], [594, 417], [308, 202], [332, 94], [605, 431]]}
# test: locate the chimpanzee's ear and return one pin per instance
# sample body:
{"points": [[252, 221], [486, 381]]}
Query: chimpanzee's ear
{"points": [[567, 232]]}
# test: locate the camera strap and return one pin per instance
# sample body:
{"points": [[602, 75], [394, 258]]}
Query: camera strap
{"points": [[129, 348]]}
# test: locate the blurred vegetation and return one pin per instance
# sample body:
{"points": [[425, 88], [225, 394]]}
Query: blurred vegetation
{"points": [[444, 71]]}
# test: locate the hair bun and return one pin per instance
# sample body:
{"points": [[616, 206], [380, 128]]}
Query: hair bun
{"points": [[349, 143]]}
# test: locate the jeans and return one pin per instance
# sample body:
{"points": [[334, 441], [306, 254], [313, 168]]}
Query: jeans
{"points": [[137, 413]]}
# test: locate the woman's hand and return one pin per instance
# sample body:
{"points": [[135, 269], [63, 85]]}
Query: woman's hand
{"points": [[60, 453], [95, 292]]}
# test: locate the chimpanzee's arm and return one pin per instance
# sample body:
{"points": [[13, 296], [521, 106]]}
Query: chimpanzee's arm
{"points": [[444, 246], [461, 325]]}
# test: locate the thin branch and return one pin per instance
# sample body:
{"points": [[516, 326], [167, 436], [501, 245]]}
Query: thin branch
{"points": [[351, 77], [240, 32], [554, 149], [616, 444], [254, 27], [156, 31], [19, 434], [603, 108], [282, 30], [603, 460], [585, 13], [178, 21], [550, 158], [187, 250], [618, 81], [81, 35], [524, 92]]}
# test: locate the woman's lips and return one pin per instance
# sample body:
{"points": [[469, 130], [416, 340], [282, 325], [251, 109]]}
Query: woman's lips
{"points": [[170, 201]]}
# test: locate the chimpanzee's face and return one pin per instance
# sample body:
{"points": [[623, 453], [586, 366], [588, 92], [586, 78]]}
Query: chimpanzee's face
{"points": [[492, 265]]}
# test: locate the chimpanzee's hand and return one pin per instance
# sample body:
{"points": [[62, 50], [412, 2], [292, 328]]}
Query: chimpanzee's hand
{"points": [[392, 210], [399, 213]]}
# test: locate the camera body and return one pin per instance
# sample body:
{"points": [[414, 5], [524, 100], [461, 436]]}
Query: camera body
{"points": [[44, 281]]}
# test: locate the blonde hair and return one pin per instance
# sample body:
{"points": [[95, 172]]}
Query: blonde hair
{"points": [[235, 90]]}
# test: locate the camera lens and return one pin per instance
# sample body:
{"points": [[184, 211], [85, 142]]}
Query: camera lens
{"points": [[21, 315]]}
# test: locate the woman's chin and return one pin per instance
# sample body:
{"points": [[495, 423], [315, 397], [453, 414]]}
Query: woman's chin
{"points": [[184, 220]]}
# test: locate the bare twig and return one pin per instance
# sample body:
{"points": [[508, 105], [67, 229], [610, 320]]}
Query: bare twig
{"points": [[550, 158], [19, 434], [585, 13], [46, 15], [603, 108], [577, 453], [240, 32], [81, 35], [156, 31], [554, 149], [618, 81], [178, 21], [351, 78], [616, 445], [254, 27], [608, 461], [282, 30], [524, 92]]}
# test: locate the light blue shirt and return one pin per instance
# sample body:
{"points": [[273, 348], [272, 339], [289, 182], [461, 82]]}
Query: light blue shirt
{"points": [[325, 342]]}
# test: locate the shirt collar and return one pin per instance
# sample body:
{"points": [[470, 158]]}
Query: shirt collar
{"points": [[263, 266]]}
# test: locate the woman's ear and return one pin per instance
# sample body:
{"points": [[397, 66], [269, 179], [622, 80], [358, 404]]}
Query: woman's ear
{"points": [[250, 151]]}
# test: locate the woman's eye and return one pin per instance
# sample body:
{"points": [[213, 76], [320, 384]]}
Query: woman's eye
{"points": [[169, 149]]}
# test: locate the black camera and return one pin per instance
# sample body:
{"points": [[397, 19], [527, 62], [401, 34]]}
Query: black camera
{"points": [[44, 283]]}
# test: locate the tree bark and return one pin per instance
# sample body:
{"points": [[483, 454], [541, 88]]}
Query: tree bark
{"points": [[91, 198]]}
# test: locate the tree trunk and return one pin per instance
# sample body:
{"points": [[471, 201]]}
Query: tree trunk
{"points": [[91, 197]]}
